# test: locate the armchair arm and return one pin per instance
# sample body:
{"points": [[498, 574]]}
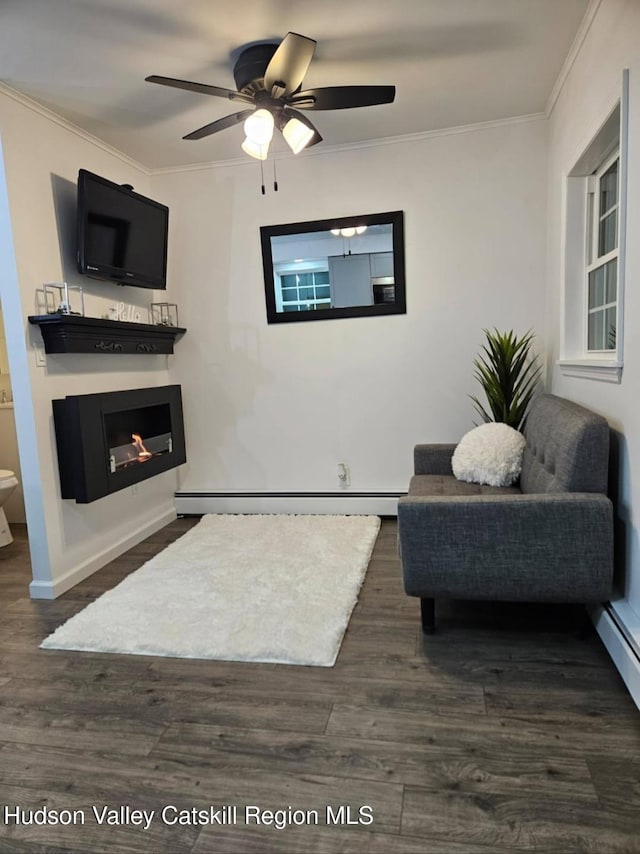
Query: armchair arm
{"points": [[433, 459], [555, 547]]}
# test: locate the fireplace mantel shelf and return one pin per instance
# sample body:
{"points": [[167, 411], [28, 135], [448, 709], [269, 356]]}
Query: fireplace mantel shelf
{"points": [[71, 333]]}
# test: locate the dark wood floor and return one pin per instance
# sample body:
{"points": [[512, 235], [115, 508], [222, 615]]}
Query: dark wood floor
{"points": [[509, 730]]}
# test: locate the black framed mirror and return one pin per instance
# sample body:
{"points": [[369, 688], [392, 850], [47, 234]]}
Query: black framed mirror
{"points": [[344, 267]]}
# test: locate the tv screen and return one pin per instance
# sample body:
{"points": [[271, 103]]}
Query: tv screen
{"points": [[122, 236]]}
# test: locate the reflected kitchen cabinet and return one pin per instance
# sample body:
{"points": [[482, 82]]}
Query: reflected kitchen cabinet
{"points": [[350, 279], [381, 264]]}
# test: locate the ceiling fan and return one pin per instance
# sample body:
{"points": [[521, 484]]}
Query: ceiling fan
{"points": [[269, 79]]}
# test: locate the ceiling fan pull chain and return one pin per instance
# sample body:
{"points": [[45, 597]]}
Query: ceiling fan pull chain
{"points": [[262, 178], [275, 177]]}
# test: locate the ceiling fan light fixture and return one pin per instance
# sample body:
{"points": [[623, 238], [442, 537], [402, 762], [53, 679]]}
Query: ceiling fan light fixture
{"points": [[255, 149], [350, 231], [259, 127], [297, 134]]}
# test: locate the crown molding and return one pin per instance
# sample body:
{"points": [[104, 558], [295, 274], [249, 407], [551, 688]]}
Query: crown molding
{"points": [[574, 50], [56, 119], [69, 126], [358, 146]]}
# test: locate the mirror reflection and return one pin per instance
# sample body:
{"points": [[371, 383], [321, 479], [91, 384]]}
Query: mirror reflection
{"points": [[346, 267]]}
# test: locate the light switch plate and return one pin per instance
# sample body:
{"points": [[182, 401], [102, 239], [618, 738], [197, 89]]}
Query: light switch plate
{"points": [[41, 359]]}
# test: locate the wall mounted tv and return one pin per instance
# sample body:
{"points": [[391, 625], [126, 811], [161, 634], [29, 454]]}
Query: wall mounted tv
{"points": [[122, 236]]}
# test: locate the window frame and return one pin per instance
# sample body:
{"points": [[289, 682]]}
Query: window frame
{"points": [[304, 304], [575, 360], [593, 260]]}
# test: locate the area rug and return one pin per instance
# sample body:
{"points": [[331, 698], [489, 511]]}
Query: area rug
{"points": [[271, 588]]}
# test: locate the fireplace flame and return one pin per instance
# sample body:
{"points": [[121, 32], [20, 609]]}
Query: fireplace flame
{"points": [[138, 444]]}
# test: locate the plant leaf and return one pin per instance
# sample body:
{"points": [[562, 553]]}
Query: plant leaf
{"points": [[508, 374]]}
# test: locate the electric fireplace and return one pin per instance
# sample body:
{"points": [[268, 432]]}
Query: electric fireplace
{"points": [[109, 441]]}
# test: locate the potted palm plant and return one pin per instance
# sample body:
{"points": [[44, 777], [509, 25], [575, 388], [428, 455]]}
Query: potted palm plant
{"points": [[508, 373]]}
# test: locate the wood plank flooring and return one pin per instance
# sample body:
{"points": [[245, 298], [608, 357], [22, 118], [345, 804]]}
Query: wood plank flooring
{"points": [[509, 730]]}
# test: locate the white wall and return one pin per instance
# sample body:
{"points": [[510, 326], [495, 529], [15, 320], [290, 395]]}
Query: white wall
{"points": [[41, 159], [275, 408], [589, 94]]}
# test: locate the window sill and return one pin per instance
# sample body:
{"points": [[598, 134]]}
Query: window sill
{"points": [[605, 370]]}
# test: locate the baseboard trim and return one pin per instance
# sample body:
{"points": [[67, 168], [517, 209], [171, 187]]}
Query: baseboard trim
{"points": [[53, 589], [348, 503], [622, 653]]}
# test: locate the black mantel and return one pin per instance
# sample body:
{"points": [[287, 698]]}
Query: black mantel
{"points": [[71, 333]]}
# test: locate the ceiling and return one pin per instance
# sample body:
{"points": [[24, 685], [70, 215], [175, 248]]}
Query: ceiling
{"points": [[453, 62]]}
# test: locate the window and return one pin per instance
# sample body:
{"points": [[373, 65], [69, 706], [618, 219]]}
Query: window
{"points": [[602, 256], [303, 291], [595, 197]]}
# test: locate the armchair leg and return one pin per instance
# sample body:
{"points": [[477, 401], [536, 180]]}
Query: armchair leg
{"points": [[428, 612]]}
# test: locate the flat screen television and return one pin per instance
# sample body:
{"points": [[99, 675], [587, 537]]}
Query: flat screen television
{"points": [[122, 236]]}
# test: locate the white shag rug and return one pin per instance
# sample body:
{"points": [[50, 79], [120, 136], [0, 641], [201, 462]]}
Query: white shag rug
{"points": [[270, 588]]}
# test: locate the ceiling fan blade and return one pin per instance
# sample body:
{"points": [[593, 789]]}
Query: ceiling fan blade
{"points": [[200, 88], [219, 124], [288, 65], [342, 97]]}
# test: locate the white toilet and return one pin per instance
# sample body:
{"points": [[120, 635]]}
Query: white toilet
{"points": [[8, 482]]}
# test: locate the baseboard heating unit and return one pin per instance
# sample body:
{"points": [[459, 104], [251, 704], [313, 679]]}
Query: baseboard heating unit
{"points": [[373, 503]]}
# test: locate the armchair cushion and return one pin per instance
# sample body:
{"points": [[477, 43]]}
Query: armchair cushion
{"points": [[436, 484], [491, 454]]}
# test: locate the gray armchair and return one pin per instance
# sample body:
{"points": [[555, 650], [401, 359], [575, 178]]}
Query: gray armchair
{"points": [[547, 539]]}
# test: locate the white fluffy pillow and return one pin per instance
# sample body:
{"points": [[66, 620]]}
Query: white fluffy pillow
{"points": [[491, 454]]}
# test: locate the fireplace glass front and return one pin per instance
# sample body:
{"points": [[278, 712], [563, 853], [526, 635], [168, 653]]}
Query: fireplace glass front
{"points": [[137, 436]]}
